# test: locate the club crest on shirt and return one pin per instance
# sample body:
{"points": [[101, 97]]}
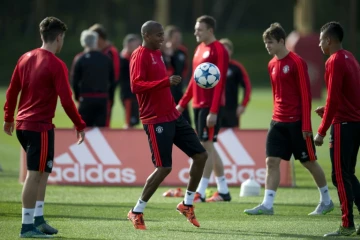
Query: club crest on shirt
{"points": [[286, 69], [206, 54]]}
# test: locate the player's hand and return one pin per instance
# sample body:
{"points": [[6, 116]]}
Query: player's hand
{"points": [[318, 140], [306, 134], [179, 108], [211, 120], [320, 111], [9, 128], [240, 110], [80, 136], [175, 80]]}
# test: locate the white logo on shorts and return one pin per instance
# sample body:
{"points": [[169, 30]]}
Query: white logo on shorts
{"points": [[50, 164], [159, 129], [304, 155]]}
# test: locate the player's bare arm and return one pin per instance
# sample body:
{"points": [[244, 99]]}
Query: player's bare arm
{"points": [[320, 111], [175, 80], [9, 128]]}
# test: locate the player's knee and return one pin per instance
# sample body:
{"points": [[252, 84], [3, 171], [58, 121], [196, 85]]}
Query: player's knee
{"points": [[200, 157], [34, 176], [164, 170], [272, 162]]}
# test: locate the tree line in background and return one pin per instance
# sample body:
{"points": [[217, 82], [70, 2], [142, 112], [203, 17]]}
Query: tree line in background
{"points": [[242, 20]]}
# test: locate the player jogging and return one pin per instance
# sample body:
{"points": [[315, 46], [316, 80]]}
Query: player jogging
{"points": [[290, 130]]}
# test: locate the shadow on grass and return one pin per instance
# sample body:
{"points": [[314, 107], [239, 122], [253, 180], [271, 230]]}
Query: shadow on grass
{"points": [[57, 216], [259, 234], [92, 205]]}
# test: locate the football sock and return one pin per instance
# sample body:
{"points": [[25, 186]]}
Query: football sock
{"points": [[324, 195], [189, 197], [140, 206], [28, 215], [222, 186], [204, 182], [39, 209], [269, 197]]}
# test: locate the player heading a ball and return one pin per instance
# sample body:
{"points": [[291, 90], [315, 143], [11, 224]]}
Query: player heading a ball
{"points": [[207, 75]]}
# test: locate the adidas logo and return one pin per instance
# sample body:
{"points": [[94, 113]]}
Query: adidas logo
{"points": [[238, 164], [94, 161]]}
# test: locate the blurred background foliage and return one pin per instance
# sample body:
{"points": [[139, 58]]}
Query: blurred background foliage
{"points": [[243, 21]]}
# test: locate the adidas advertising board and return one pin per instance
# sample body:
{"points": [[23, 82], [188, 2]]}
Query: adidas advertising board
{"points": [[122, 158]]}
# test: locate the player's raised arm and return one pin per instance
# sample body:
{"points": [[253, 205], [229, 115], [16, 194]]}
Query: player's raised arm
{"points": [[138, 66]]}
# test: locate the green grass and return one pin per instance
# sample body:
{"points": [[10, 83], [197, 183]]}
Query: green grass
{"points": [[100, 212]]}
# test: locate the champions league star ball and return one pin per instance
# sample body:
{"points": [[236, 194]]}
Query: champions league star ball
{"points": [[207, 75]]}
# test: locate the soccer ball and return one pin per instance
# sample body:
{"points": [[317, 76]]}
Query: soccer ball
{"points": [[207, 75]]}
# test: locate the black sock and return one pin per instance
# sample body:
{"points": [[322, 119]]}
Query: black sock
{"points": [[27, 227], [39, 220]]}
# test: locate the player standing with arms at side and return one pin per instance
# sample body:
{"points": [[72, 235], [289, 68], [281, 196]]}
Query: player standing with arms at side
{"points": [[163, 124], [41, 77], [237, 76], [342, 112], [206, 104], [92, 81], [290, 130]]}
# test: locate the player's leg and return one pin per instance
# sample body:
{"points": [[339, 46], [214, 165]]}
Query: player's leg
{"points": [[31, 142], [48, 152], [304, 150], [354, 180], [340, 154], [100, 112], [187, 140], [160, 137], [134, 118], [127, 110], [277, 148], [200, 115], [86, 111], [222, 193]]}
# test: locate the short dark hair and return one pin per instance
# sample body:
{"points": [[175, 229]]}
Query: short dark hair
{"points": [[100, 29], [130, 38], [170, 30], [275, 31], [334, 30], [208, 20], [50, 28]]}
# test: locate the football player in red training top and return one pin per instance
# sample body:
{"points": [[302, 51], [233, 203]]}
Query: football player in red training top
{"points": [[163, 124], [290, 130], [237, 76], [342, 112], [207, 104], [41, 77]]}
